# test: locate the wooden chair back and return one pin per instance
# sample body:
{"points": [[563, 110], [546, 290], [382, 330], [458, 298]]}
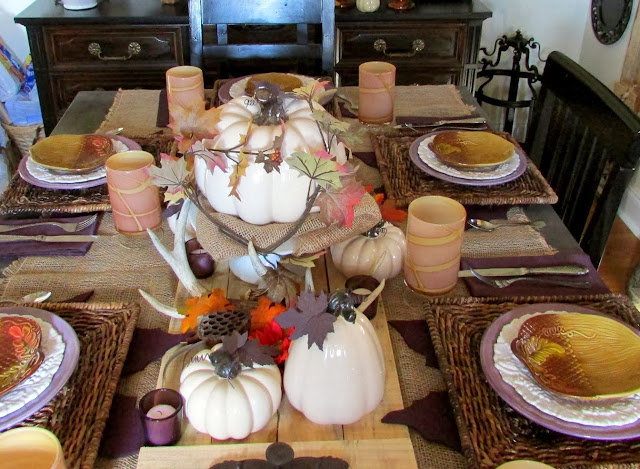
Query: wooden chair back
{"points": [[243, 36], [586, 142]]}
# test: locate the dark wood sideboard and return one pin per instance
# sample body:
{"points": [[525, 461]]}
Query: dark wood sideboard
{"points": [[130, 44]]}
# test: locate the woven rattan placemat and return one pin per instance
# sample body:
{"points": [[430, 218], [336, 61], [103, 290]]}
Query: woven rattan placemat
{"points": [[78, 413], [21, 197], [404, 182], [491, 431]]}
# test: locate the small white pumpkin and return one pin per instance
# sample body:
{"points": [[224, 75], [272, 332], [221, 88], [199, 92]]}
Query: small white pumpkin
{"points": [[342, 382], [379, 252], [226, 408], [278, 196]]}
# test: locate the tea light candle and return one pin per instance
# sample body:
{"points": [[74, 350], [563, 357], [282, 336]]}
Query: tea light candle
{"points": [[161, 411]]}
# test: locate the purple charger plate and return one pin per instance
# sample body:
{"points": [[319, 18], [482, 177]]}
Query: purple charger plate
{"points": [[224, 92], [413, 153], [27, 176], [515, 400], [61, 376]]}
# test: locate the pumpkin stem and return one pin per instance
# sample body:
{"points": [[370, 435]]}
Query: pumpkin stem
{"points": [[271, 112], [376, 231]]}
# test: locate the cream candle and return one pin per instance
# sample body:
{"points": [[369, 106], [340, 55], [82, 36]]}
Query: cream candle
{"points": [[161, 411]]}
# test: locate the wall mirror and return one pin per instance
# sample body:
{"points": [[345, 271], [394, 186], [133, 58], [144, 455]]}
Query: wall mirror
{"points": [[610, 18]]}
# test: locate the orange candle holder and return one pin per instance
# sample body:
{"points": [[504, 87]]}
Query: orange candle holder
{"points": [[376, 87], [185, 87], [135, 202], [434, 240]]}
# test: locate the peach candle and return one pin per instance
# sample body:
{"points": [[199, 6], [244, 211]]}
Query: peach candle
{"points": [[135, 202], [185, 86], [375, 92], [30, 448], [434, 240]]}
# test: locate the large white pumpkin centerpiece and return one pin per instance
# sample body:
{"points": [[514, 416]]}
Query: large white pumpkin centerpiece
{"points": [[227, 396], [335, 372], [252, 135]]}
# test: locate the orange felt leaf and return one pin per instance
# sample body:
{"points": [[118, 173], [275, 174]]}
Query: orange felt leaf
{"points": [[389, 212], [266, 310], [205, 304]]}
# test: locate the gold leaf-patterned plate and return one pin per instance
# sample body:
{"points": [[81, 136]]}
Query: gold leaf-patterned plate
{"points": [[471, 149], [583, 356], [72, 153], [20, 353]]}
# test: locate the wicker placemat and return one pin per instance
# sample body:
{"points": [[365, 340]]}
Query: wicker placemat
{"points": [[491, 431], [21, 197], [78, 413], [404, 182]]}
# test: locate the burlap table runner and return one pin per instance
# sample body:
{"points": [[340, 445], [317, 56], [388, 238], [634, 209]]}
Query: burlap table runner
{"points": [[136, 111]]}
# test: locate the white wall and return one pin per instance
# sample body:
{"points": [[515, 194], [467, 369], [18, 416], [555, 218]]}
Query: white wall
{"points": [[14, 34]]}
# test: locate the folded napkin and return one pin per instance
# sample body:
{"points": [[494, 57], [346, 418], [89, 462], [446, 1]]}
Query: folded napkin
{"points": [[13, 249], [162, 119], [367, 157], [527, 288]]}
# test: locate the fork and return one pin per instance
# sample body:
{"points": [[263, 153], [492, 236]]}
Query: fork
{"points": [[505, 282], [69, 227]]}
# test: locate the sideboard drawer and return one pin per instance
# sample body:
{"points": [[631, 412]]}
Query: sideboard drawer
{"points": [[113, 47], [440, 43]]}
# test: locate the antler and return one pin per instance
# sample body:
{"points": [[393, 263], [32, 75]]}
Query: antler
{"points": [[177, 260]]}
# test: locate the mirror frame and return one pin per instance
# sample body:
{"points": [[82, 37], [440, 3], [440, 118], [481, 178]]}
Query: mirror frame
{"points": [[609, 33]]}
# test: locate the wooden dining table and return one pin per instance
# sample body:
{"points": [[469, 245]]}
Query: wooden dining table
{"points": [[116, 273]]}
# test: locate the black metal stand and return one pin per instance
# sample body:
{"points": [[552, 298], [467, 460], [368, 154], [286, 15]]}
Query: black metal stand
{"points": [[521, 47]]}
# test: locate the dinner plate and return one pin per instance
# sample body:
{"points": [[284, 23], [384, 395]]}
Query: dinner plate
{"points": [[234, 88], [61, 376], [24, 173], [415, 157], [515, 400], [70, 153]]}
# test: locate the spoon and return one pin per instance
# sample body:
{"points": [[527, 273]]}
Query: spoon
{"points": [[484, 225], [35, 297]]}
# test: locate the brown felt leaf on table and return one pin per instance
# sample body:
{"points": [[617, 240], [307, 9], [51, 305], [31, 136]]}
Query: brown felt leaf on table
{"points": [[309, 317], [416, 335], [432, 417]]}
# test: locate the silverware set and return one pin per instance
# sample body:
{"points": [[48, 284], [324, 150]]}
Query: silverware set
{"points": [[505, 282], [68, 227]]}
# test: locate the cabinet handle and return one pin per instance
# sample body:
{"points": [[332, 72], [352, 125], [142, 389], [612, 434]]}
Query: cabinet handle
{"points": [[133, 49], [381, 46]]}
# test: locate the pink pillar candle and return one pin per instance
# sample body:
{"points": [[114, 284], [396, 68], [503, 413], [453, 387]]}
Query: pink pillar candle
{"points": [[434, 240], [185, 87], [135, 202], [376, 85], [30, 447]]}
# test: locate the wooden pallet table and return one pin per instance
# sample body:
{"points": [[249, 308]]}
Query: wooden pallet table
{"points": [[367, 443]]}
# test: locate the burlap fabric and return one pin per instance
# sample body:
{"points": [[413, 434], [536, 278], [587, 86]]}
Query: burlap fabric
{"points": [[137, 112], [421, 101], [313, 236]]}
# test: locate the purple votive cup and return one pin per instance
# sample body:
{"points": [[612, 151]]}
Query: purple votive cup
{"points": [[161, 411]]}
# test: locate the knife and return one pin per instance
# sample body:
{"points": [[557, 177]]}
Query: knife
{"points": [[49, 239], [468, 121], [511, 271]]}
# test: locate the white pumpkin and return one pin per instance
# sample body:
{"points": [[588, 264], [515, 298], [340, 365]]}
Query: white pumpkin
{"points": [[342, 382], [264, 197], [226, 408], [378, 252]]}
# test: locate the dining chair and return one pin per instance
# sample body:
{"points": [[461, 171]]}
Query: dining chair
{"points": [[586, 143], [240, 37]]}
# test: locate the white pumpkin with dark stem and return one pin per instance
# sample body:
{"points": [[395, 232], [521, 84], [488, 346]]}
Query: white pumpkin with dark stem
{"points": [[379, 252], [278, 196], [229, 408], [345, 380]]}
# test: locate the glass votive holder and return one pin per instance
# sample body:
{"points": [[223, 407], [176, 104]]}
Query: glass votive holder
{"points": [[376, 88], [361, 286], [434, 241], [161, 411], [185, 87], [135, 202], [32, 448]]}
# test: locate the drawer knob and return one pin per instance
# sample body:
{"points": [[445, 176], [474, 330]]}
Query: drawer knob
{"points": [[381, 46], [133, 49]]}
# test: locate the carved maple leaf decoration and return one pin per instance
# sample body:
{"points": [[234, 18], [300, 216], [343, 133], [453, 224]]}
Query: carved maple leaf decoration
{"points": [[337, 206], [309, 317], [192, 122], [173, 174], [237, 172], [212, 158], [248, 351]]}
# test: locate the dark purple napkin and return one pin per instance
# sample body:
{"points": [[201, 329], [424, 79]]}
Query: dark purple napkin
{"points": [[416, 335], [162, 119], [123, 434], [526, 288], [345, 110], [148, 345], [367, 157], [14, 249], [432, 417]]}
